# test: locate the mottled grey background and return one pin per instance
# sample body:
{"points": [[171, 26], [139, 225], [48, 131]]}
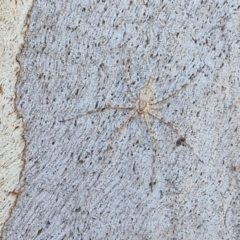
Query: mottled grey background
{"points": [[72, 64]]}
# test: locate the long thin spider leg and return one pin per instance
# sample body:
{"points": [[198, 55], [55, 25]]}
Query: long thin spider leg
{"points": [[157, 107], [131, 115], [149, 81], [175, 129], [178, 90], [127, 79], [171, 94], [100, 110], [149, 127]]}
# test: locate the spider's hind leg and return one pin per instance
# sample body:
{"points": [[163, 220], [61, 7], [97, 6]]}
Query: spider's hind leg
{"points": [[131, 115], [175, 130], [153, 140]]}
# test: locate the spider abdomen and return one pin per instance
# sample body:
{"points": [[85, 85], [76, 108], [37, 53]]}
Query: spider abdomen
{"points": [[142, 106]]}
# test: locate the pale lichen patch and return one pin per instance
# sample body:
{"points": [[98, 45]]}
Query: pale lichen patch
{"points": [[13, 27]]}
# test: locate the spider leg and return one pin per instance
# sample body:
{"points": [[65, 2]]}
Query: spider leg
{"points": [[175, 129], [171, 94], [149, 81], [128, 81], [157, 107], [149, 127], [178, 90], [131, 115], [100, 110]]}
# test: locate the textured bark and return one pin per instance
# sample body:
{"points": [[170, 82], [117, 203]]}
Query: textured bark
{"points": [[83, 184], [13, 15]]}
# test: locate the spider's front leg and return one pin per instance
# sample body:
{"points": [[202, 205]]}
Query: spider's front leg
{"points": [[178, 90], [128, 81], [120, 107], [171, 94]]}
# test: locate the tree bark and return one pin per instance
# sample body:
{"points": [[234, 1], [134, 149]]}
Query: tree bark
{"points": [[13, 26], [82, 182]]}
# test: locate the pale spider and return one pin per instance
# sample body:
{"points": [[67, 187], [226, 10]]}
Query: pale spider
{"points": [[143, 105]]}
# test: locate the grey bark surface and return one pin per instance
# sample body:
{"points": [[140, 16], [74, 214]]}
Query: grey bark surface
{"points": [[82, 184]]}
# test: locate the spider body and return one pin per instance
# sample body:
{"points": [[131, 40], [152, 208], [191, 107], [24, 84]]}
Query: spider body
{"points": [[143, 104], [145, 97]]}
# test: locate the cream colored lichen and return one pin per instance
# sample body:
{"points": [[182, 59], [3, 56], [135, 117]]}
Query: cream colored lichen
{"points": [[13, 15]]}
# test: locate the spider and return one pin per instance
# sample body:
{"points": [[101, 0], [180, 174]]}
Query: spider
{"points": [[143, 104]]}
